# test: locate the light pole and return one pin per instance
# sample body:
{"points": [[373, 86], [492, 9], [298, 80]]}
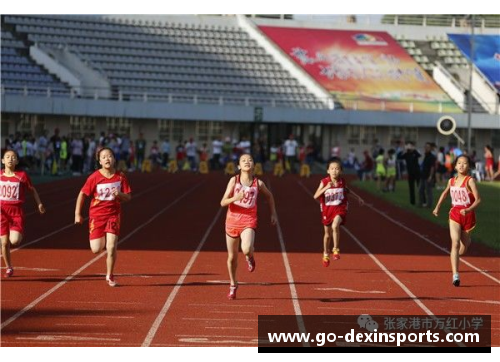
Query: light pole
{"points": [[469, 96]]}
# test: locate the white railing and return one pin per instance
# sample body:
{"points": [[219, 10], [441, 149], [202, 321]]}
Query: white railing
{"points": [[341, 102], [451, 86]]}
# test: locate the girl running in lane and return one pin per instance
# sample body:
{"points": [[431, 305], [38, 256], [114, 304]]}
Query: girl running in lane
{"points": [[332, 193], [107, 189], [464, 199], [13, 185], [241, 220]]}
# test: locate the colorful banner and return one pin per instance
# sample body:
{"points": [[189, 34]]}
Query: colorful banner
{"points": [[486, 54], [365, 70]]}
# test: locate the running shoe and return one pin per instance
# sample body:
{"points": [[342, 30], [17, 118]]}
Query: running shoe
{"points": [[111, 280], [336, 254], [456, 280], [9, 272], [232, 292], [251, 264], [326, 260]]}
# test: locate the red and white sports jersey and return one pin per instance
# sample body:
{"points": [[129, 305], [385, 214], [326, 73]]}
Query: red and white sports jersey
{"points": [[101, 188], [335, 195], [244, 212], [12, 188], [461, 196]]}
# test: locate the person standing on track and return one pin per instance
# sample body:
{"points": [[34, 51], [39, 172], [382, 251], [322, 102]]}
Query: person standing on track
{"points": [[464, 199], [332, 193], [108, 189], [12, 196], [241, 220]]}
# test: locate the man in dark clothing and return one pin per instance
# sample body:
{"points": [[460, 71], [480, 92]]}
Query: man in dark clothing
{"points": [[411, 156], [427, 178], [140, 150]]}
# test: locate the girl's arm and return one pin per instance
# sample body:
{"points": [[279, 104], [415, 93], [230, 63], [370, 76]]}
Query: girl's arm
{"points": [[441, 199], [226, 200], [41, 208], [321, 189], [78, 209], [270, 200], [475, 192]]}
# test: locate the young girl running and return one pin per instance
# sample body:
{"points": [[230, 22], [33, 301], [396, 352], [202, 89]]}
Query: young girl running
{"points": [[107, 188], [12, 196], [332, 192], [241, 220], [464, 199]]}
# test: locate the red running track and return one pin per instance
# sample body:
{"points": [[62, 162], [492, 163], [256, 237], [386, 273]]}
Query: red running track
{"points": [[173, 279]]}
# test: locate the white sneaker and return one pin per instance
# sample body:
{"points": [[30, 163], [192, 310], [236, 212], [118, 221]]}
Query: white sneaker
{"points": [[111, 280]]}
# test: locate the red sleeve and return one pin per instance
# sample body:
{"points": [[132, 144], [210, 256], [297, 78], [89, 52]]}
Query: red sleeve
{"points": [[125, 185], [89, 187], [27, 181]]}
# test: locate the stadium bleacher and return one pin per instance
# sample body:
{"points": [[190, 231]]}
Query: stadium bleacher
{"points": [[20, 75], [148, 59]]}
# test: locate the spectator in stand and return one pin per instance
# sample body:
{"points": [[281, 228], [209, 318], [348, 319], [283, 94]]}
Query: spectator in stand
{"points": [[180, 153], [411, 156], [140, 150], [489, 162], [77, 156], [41, 147], [367, 166], [441, 178], [227, 149], [244, 146], [290, 148], [427, 178], [191, 150], [125, 150], [216, 153], [165, 153], [90, 161], [154, 155]]}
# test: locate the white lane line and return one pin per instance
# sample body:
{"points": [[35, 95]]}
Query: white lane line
{"points": [[159, 319], [423, 237], [291, 282], [352, 290], [230, 305], [33, 269], [85, 219], [62, 283], [212, 336], [207, 341], [49, 337]]}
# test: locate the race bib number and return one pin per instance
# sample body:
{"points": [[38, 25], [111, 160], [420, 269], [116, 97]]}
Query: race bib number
{"points": [[334, 197], [248, 201], [459, 196], [9, 191], [105, 191]]}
